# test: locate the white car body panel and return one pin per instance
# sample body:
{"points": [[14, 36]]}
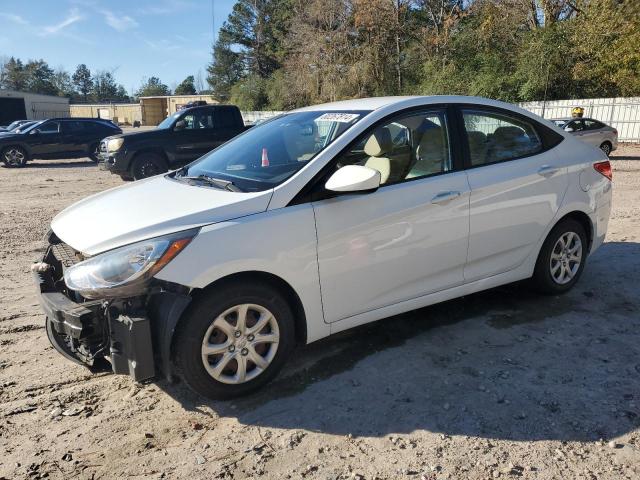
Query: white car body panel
{"points": [[357, 258], [392, 245], [148, 208]]}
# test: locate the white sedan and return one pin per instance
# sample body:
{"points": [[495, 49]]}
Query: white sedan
{"points": [[316, 221]]}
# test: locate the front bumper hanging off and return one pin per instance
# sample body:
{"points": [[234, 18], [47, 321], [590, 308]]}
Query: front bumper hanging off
{"points": [[118, 330]]}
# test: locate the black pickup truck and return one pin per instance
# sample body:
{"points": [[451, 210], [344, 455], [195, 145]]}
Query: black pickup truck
{"points": [[179, 139]]}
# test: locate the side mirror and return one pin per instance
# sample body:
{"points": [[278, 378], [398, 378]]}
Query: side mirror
{"points": [[568, 129], [34, 132], [354, 178], [180, 125]]}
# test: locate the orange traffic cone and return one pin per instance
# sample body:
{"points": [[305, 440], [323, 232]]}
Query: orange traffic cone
{"points": [[265, 158]]}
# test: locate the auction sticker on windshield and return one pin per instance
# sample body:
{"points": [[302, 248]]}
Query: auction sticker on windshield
{"points": [[338, 117]]}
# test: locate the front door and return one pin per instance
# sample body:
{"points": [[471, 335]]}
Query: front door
{"points": [[516, 190], [46, 141], [405, 240], [197, 137]]}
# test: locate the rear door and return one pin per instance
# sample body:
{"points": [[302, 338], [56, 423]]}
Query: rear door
{"points": [[593, 132], [517, 184], [77, 135]]}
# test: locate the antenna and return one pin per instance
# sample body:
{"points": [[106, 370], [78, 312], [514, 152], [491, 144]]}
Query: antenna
{"points": [[213, 21]]}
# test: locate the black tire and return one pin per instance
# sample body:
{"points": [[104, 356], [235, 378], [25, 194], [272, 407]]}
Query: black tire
{"points": [[94, 150], [126, 178], [200, 316], [543, 278], [14, 156], [147, 165], [606, 148]]}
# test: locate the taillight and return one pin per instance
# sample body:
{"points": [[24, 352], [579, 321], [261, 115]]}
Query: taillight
{"points": [[604, 168]]}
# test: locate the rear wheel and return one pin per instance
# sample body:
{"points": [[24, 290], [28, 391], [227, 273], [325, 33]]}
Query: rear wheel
{"points": [[94, 152], [14, 156], [234, 340], [147, 165], [606, 148], [562, 258]]}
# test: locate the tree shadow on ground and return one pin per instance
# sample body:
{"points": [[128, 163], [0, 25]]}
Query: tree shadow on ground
{"points": [[505, 363]]}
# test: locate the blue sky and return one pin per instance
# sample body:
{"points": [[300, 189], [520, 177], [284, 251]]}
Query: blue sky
{"points": [[169, 39]]}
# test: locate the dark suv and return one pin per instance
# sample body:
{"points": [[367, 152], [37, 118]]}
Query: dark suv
{"points": [[55, 138]]}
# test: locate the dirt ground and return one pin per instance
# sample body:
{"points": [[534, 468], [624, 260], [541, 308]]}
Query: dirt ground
{"points": [[501, 384]]}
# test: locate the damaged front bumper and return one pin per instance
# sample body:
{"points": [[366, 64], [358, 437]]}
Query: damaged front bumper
{"points": [[133, 334]]}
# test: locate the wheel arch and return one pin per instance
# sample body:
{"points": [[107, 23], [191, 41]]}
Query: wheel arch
{"points": [[583, 219], [150, 149], [300, 319]]}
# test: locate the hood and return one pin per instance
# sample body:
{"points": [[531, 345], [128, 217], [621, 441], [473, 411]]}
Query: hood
{"points": [[11, 136], [149, 208], [141, 135]]}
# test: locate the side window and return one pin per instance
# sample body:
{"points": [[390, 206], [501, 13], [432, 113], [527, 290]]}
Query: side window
{"points": [[198, 120], [75, 127], [494, 137], [592, 125], [49, 127], [410, 146], [577, 125]]}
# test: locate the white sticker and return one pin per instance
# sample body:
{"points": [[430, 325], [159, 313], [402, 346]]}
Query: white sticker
{"points": [[338, 117]]}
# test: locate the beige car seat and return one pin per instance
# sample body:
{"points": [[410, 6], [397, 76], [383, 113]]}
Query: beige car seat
{"points": [[377, 147], [431, 154]]}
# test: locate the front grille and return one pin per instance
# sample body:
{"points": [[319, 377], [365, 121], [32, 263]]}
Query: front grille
{"points": [[66, 255]]}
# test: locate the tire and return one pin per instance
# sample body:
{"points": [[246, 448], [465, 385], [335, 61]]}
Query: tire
{"points": [[606, 148], [202, 322], [147, 165], [560, 274], [14, 156], [94, 150]]}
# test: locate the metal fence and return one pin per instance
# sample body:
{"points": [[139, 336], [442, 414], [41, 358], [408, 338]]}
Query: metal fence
{"points": [[621, 113]]}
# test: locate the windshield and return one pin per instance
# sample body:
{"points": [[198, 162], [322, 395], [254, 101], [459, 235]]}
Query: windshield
{"points": [[13, 125], [167, 122], [31, 127], [268, 154]]}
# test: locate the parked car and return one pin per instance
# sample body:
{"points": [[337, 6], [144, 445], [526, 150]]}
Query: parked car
{"points": [[55, 138], [591, 131], [12, 125], [314, 222], [179, 139]]}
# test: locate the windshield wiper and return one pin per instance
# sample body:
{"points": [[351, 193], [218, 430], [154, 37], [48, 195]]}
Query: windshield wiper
{"points": [[217, 182]]}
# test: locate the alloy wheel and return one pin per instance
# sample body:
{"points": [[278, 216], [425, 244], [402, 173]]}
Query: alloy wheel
{"points": [[13, 157], [240, 344], [566, 257], [605, 148]]}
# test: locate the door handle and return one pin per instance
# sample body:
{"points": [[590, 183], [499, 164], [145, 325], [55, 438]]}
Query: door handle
{"points": [[442, 197], [547, 170]]}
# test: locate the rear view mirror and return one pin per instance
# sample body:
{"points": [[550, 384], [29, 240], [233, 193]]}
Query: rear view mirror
{"points": [[180, 125], [354, 178]]}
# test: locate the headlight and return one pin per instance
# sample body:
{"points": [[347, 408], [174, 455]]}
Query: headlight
{"points": [[114, 144], [124, 272]]}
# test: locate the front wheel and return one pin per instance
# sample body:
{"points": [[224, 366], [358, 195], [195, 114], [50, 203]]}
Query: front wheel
{"points": [[234, 340], [14, 157], [562, 258], [147, 165]]}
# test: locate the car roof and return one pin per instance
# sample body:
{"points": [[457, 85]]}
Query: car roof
{"points": [[375, 103]]}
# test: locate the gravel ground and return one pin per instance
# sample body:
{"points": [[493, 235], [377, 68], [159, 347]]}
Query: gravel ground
{"points": [[501, 384]]}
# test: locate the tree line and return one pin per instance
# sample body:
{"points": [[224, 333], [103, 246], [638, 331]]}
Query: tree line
{"points": [[281, 54], [36, 76]]}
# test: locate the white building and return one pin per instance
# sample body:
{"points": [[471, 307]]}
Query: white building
{"points": [[30, 106]]}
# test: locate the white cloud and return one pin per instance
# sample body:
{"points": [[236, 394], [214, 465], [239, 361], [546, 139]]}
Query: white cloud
{"points": [[14, 18], [73, 17], [166, 8], [118, 22]]}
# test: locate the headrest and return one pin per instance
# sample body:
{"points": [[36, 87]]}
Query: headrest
{"points": [[432, 137], [508, 132], [378, 143]]}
